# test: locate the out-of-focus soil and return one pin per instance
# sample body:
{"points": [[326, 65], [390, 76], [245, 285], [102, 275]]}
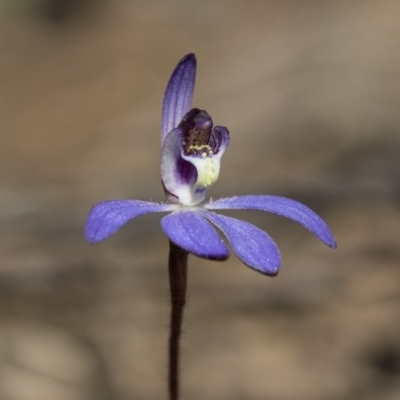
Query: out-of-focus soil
{"points": [[310, 92]]}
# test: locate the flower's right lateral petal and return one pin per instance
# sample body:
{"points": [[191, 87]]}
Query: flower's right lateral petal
{"points": [[192, 232], [179, 93], [282, 206], [252, 245], [219, 140], [107, 217]]}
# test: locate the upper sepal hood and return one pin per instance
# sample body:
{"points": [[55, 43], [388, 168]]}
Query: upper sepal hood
{"points": [[178, 94]]}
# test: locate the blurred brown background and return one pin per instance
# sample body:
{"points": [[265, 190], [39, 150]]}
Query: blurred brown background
{"points": [[310, 91]]}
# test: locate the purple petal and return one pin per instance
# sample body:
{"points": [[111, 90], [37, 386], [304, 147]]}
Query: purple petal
{"points": [[219, 139], [281, 206], [107, 217], [252, 245], [192, 232], [179, 93]]}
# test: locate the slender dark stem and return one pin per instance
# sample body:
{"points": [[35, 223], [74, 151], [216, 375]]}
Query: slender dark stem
{"points": [[177, 265]]}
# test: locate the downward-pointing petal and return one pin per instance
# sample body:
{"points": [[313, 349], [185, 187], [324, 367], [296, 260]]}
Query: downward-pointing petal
{"points": [[252, 245], [179, 93], [107, 217], [192, 232], [281, 206]]}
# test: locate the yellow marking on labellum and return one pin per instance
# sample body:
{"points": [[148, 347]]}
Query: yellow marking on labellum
{"points": [[208, 173], [196, 147]]}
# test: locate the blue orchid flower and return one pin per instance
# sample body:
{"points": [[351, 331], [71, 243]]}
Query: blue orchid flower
{"points": [[190, 163]]}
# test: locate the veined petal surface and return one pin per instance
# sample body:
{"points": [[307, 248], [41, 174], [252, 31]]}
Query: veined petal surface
{"points": [[179, 93], [252, 245], [107, 217], [192, 232], [282, 206]]}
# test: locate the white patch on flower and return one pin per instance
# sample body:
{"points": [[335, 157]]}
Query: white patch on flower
{"points": [[207, 171], [207, 174]]}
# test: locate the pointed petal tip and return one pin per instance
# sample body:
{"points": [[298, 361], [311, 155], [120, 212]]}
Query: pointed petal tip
{"points": [[271, 272], [326, 236], [93, 232], [187, 63], [332, 243], [89, 236], [93, 239], [190, 57]]}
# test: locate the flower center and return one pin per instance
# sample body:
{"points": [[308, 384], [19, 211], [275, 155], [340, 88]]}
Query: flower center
{"points": [[197, 126]]}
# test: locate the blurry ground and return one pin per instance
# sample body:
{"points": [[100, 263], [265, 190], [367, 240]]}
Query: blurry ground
{"points": [[310, 92]]}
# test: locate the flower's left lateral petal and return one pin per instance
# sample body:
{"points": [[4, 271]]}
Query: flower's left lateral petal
{"points": [[107, 217], [192, 232], [178, 175], [179, 93], [252, 245], [282, 206]]}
